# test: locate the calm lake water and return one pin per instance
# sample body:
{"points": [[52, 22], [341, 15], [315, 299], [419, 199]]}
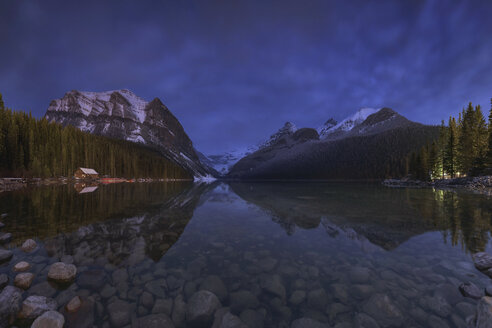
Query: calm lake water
{"points": [[344, 255]]}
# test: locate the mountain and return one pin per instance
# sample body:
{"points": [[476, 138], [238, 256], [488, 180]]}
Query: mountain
{"points": [[121, 114], [222, 163], [371, 144]]}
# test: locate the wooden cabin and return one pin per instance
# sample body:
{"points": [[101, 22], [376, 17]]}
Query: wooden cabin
{"points": [[86, 173]]}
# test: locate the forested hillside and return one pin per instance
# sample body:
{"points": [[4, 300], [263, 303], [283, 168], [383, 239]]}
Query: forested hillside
{"points": [[375, 156], [36, 148], [464, 148]]}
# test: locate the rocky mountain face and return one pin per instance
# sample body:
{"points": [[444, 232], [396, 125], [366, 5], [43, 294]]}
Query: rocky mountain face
{"points": [[370, 144], [120, 114], [222, 163]]}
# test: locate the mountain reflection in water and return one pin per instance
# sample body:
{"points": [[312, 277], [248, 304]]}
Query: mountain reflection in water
{"points": [[336, 253]]}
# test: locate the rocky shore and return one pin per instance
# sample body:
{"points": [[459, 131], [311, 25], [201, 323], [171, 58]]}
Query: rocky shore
{"points": [[482, 184]]}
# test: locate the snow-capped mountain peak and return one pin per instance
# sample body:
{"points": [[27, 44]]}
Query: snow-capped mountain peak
{"points": [[328, 129], [123, 115]]}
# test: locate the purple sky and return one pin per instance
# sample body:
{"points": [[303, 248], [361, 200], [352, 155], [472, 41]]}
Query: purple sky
{"points": [[234, 71]]}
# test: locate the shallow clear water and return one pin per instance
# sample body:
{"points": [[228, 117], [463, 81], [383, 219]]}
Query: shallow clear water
{"points": [[346, 255]]}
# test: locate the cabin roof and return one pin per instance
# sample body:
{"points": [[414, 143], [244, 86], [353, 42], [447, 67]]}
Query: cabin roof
{"points": [[87, 170]]}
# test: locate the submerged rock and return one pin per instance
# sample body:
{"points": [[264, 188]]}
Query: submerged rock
{"points": [[482, 261], [4, 280], [62, 273], [34, 306], [155, 321], [201, 308], [28, 246], [10, 304], [119, 313], [22, 266], [307, 323], [383, 310], [5, 237], [50, 319], [215, 285], [24, 280], [469, 289], [484, 313], [5, 255], [242, 300], [74, 304], [273, 285]]}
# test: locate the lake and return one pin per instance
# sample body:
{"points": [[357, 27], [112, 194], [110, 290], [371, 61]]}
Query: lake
{"points": [[283, 254]]}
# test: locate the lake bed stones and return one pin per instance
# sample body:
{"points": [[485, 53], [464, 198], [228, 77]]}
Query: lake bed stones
{"points": [[201, 308], [469, 289], [21, 266], [62, 273], [34, 306], [50, 319], [23, 280], [5, 255], [28, 246]]}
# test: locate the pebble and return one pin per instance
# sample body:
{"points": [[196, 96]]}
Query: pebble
{"points": [[50, 319], [34, 306], [469, 289], [28, 246], [21, 266], [4, 280], [23, 280], [201, 308], [5, 237], [5, 255], [74, 304], [62, 273]]}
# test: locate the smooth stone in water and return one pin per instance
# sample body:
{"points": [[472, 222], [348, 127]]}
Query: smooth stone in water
{"points": [[28, 246], [5, 237], [201, 308], [91, 279], [484, 313], [50, 319], [297, 297], [179, 311], [10, 304], [42, 289], [317, 299], [73, 305], [362, 320], [242, 300], [155, 321], [215, 285], [229, 320], [163, 306], [2, 225], [383, 310], [482, 261], [21, 266], [273, 285], [5, 255], [62, 273], [4, 280], [469, 289], [307, 323], [252, 318], [24, 280], [34, 306], [488, 290], [119, 313]]}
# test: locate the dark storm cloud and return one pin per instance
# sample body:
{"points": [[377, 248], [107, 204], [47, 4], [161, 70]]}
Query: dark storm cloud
{"points": [[235, 71]]}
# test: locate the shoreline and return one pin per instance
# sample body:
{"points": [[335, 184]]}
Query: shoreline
{"points": [[480, 184], [11, 184]]}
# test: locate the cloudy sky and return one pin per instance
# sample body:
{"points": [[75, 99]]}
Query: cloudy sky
{"points": [[234, 71]]}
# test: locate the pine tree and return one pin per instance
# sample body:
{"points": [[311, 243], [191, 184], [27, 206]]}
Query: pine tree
{"points": [[451, 150], [489, 152]]}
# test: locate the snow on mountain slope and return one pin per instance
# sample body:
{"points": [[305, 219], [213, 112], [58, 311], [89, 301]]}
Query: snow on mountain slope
{"points": [[223, 162], [347, 124], [123, 115]]}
